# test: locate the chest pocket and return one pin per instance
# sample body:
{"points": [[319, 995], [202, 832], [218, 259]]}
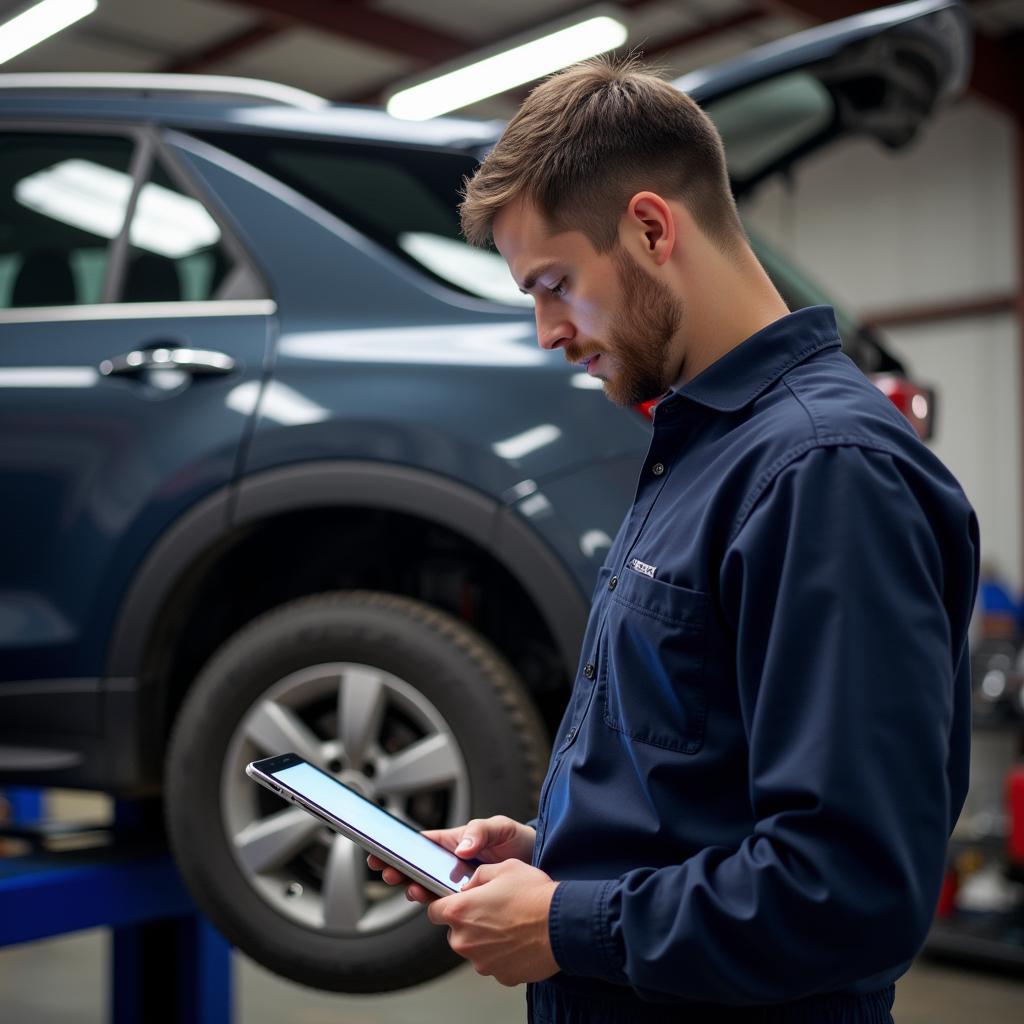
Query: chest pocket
{"points": [[652, 668]]}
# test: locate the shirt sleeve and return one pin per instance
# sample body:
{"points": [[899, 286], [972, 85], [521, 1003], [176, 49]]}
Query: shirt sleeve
{"points": [[848, 589]]}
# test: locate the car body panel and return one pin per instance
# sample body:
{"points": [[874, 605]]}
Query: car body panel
{"points": [[376, 361], [356, 359], [95, 469]]}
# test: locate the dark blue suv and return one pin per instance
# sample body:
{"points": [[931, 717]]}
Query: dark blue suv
{"points": [[283, 467]]}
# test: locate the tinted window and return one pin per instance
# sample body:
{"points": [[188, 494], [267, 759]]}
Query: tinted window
{"points": [[175, 251], [405, 199], [62, 199]]}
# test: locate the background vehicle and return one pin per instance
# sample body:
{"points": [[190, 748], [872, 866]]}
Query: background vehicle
{"points": [[286, 469]]}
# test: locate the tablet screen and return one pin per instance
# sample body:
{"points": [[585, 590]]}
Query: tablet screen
{"points": [[369, 820]]}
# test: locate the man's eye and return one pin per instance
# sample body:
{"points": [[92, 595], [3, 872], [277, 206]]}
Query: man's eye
{"points": [[559, 289]]}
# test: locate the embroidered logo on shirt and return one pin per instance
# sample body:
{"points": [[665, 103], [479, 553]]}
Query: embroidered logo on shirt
{"points": [[647, 570]]}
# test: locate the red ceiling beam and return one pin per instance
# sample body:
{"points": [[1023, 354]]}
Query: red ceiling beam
{"points": [[352, 19], [822, 10], [376, 95], [696, 35], [205, 59], [675, 42]]}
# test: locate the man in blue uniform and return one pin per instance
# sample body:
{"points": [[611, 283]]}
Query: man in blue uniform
{"points": [[765, 750]]}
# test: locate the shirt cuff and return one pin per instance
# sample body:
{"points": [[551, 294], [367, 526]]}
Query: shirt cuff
{"points": [[580, 930]]}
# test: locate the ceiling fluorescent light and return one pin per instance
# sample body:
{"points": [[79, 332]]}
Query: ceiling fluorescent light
{"points": [[506, 70], [40, 22]]}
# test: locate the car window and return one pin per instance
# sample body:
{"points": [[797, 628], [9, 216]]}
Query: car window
{"points": [[175, 249], [766, 122], [404, 198], [62, 199]]}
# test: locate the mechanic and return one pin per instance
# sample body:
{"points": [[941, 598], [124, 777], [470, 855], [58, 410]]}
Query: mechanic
{"points": [[766, 748]]}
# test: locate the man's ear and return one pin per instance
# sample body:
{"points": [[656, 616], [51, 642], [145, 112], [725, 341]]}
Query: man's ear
{"points": [[651, 223]]}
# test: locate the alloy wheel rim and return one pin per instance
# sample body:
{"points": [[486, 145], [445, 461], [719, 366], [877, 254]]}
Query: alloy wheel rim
{"points": [[387, 741]]}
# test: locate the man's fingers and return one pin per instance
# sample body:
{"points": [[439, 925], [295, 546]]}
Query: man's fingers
{"points": [[476, 835], [417, 894], [389, 874], [437, 911], [462, 841], [483, 874]]}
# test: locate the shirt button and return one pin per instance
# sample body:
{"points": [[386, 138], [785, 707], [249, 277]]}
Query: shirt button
{"points": [[613, 582], [588, 670], [571, 734], [658, 468]]}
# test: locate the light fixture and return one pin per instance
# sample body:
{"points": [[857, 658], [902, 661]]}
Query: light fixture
{"points": [[521, 63], [46, 19]]}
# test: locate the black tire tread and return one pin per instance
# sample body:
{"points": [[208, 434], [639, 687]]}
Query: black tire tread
{"points": [[209, 697]]}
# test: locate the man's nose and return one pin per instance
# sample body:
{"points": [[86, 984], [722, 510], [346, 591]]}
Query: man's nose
{"points": [[553, 332]]}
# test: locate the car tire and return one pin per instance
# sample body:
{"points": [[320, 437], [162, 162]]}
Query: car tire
{"points": [[416, 696]]}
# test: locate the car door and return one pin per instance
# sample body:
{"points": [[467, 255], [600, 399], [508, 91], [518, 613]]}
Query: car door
{"points": [[133, 334]]}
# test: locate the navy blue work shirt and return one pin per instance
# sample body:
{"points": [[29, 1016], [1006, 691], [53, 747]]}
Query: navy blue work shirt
{"points": [[766, 747]]}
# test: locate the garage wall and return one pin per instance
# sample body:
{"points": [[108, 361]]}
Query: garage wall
{"points": [[933, 223]]}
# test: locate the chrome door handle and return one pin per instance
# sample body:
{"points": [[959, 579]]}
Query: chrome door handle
{"points": [[200, 362]]}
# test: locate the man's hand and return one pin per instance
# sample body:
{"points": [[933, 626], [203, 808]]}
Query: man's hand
{"points": [[490, 840], [499, 922]]}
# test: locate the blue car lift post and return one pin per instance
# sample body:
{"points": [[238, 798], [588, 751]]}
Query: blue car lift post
{"points": [[169, 965]]}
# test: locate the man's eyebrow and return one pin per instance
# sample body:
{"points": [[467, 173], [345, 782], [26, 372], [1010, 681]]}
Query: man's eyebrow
{"points": [[531, 277]]}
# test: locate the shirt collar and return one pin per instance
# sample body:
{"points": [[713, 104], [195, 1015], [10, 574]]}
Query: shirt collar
{"points": [[748, 370]]}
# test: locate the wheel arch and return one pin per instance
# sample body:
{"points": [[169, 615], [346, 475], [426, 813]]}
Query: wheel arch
{"points": [[193, 548]]}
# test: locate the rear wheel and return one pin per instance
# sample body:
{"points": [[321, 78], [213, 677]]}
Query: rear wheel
{"points": [[402, 702]]}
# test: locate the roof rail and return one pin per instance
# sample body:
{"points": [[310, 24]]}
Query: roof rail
{"points": [[208, 86]]}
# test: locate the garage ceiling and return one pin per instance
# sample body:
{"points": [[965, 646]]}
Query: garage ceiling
{"points": [[358, 50]]}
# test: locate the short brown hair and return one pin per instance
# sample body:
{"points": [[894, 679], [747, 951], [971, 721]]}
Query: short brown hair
{"points": [[587, 139]]}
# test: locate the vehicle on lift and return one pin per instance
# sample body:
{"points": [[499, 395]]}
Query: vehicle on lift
{"points": [[284, 468]]}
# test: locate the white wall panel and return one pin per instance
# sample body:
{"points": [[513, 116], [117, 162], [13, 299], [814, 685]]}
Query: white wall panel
{"points": [[932, 222]]}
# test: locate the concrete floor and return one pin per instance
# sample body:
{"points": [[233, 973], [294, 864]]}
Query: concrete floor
{"points": [[63, 981]]}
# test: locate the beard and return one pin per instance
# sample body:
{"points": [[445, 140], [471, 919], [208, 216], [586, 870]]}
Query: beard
{"points": [[639, 337]]}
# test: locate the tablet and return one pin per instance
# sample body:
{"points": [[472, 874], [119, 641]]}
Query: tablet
{"points": [[362, 821]]}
